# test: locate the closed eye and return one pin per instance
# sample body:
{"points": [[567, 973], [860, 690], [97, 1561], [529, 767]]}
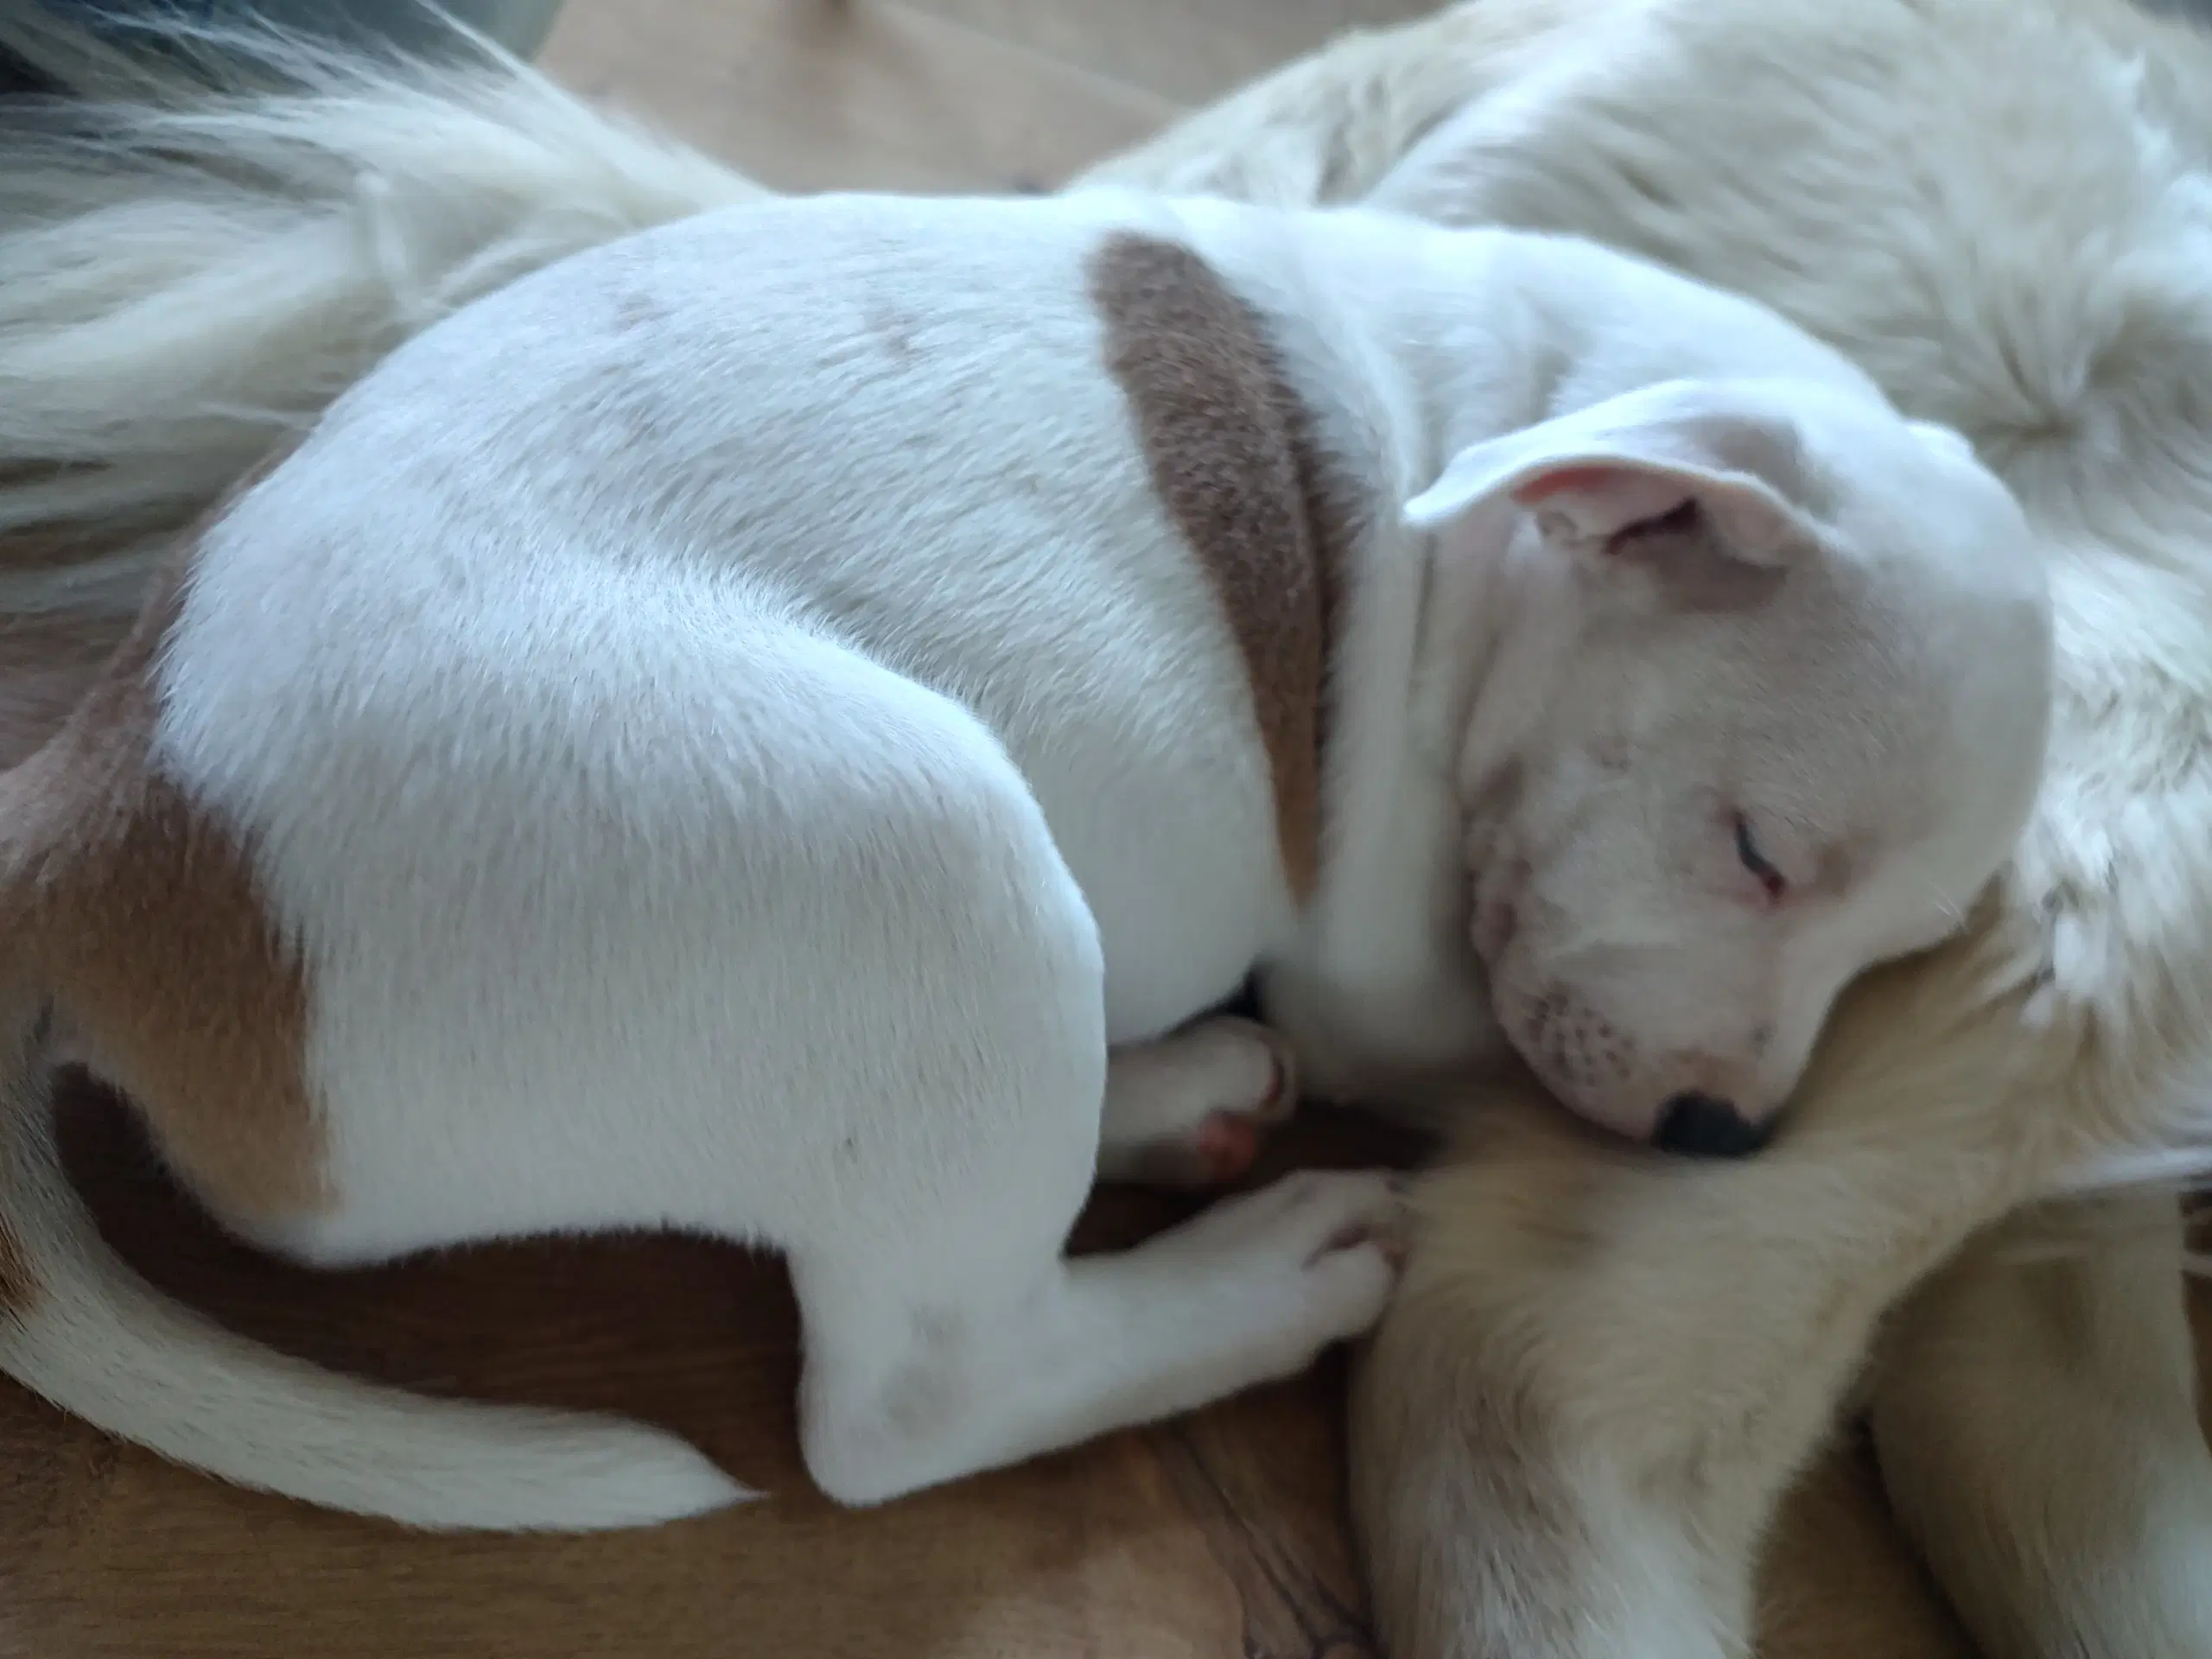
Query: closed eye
{"points": [[1747, 851]]}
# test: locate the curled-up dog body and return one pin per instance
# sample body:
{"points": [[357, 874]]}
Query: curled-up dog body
{"points": [[787, 724]]}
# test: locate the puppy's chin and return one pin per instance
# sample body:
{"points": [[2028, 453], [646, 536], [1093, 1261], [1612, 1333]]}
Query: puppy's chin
{"points": [[1627, 1127], [1534, 1091]]}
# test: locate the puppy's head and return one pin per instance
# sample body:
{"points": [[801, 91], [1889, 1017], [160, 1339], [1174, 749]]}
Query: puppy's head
{"points": [[1770, 707]]}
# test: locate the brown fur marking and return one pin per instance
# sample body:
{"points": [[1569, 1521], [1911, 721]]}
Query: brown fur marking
{"points": [[1231, 453], [145, 924]]}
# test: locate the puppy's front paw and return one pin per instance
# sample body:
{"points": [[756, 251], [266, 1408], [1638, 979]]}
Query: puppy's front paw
{"points": [[1309, 1261], [1192, 1110]]}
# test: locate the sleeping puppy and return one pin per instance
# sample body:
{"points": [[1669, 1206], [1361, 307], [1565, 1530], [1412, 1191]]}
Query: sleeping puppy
{"points": [[783, 725]]}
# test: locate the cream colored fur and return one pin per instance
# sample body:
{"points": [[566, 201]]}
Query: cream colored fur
{"points": [[1605, 1368]]}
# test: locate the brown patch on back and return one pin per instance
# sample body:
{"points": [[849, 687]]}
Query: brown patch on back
{"points": [[144, 921], [1231, 453]]}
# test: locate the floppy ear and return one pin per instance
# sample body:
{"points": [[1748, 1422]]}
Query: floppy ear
{"points": [[1640, 476]]}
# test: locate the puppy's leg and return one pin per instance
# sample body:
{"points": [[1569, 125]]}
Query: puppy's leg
{"points": [[944, 1330], [815, 974], [978, 1345], [2035, 1412], [1189, 1109]]}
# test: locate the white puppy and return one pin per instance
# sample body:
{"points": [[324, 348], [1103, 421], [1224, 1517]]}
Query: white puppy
{"points": [[776, 725]]}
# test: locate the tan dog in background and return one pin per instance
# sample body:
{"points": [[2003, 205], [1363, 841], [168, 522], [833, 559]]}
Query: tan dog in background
{"points": [[1604, 1369]]}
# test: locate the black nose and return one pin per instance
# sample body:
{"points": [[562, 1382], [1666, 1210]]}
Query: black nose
{"points": [[1699, 1126]]}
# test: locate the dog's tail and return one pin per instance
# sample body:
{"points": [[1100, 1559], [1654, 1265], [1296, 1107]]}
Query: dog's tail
{"points": [[79, 1326], [214, 231]]}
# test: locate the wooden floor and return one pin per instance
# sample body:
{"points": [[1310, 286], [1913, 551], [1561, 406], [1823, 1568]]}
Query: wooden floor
{"points": [[931, 94]]}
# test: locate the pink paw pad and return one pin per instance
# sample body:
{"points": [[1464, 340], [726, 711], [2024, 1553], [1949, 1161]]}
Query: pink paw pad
{"points": [[1228, 1144]]}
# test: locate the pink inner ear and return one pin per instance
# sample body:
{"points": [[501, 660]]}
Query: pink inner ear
{"points": [[1544, 486], [1594, 500]]}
